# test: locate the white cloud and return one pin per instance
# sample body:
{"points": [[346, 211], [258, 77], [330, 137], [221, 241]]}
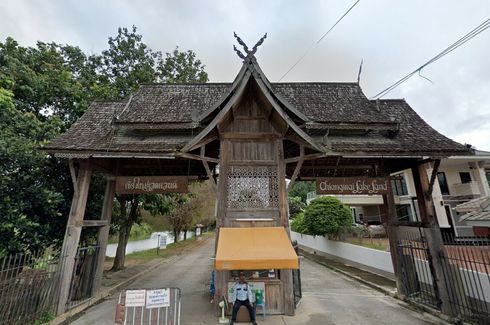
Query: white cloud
{"points": [[393, 38]]}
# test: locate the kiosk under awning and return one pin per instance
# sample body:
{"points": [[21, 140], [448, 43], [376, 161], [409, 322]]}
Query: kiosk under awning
{"points": [[258, 248]]}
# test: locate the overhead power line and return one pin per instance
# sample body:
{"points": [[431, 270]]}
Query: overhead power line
{"points": [[474, 32], [317, 42]]}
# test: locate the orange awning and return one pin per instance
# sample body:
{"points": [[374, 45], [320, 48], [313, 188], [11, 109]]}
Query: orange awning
{"points": [[258, 248]]}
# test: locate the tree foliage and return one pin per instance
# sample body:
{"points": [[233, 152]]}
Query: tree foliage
{"points": [[298, 223], [326, 215], [183, 211], [43, 90], [295, 206], [301, 189]]}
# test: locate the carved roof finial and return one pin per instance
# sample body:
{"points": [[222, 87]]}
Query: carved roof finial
{"points": [[240, 54], [245, 47]]}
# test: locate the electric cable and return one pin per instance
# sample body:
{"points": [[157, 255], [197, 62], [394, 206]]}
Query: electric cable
{"points": [[317, 42], [470, 35]]}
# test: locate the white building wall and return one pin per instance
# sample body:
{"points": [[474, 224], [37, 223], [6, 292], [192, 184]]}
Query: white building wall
{"points": [[438, 200]]}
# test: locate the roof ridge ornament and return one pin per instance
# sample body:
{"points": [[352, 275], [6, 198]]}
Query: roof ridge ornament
{"points": [[245, 47]]}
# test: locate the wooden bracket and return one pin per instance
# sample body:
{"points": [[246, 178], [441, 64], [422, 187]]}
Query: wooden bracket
{"points": [[73, 175], [208, 170], [298, 167], [435, 169]]}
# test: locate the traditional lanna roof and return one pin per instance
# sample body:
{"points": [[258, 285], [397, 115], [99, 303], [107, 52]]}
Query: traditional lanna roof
{"points": [[169, 120]]}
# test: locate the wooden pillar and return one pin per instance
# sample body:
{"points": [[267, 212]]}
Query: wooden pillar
{"points": [[286, 274], [389, 217], [72, 233], [442, 280], [221, 277], [103, 235]]}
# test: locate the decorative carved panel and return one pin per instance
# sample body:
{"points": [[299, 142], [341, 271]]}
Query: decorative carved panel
{"points": [[253, 187]]}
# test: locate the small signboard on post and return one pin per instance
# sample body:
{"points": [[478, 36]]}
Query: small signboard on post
{"points": [[151, 184], [158, 298], [353, 185], [162, 241], [135, 298]]}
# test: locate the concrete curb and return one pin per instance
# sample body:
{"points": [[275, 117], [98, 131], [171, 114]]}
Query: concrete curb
{"points": [[415, 306], [61, 319]]}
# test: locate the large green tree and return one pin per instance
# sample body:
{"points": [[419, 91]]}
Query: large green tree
{"points": [[41, 97], [44, 89], [29, 203]]}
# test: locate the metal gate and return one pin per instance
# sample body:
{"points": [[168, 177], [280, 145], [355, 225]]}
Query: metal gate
{"points": [[81, 288], [416, 267], [465, 264], [153, 306]]}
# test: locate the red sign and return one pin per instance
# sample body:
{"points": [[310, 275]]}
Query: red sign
{"points": [[151, 184], [352, 185]]}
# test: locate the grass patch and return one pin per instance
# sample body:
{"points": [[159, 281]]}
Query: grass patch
{"points": [[45, 317], [381, 244], [151, 254]]}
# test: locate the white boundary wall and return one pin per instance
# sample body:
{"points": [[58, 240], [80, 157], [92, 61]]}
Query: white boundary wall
{"points": [[362, 255]]}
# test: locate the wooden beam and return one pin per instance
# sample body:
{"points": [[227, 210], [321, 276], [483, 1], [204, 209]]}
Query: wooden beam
{"points": [[103, 234], [320, 167], [297, 168], [196, 157], [433, 176], [208, 170], [250, 136], [73, 175], [72, 234], [305, 157]]}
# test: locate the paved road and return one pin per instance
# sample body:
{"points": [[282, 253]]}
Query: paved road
{"points": [[327, 297]]}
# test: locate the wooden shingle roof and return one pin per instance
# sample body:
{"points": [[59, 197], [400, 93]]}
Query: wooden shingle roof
{"points": [[162, 118]]}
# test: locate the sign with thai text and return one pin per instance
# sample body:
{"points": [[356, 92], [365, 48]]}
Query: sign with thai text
{"points": [[158, 298], [352, 185], [151, 184], [162, 241], [135, 298]]}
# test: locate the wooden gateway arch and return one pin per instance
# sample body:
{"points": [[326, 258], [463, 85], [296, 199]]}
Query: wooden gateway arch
{"points": [[248, 137]]}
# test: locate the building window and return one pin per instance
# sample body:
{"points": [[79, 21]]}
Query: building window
{"points": [[465, 177], [487, 172], [399, 185], [441, 177], [404, 212]]}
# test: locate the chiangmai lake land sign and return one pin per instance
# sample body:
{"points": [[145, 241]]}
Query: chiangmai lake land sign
{"points": [[151, 184], [352, 185]]}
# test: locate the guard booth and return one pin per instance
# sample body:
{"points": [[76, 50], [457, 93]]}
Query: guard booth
{"points": [[247, 137]]}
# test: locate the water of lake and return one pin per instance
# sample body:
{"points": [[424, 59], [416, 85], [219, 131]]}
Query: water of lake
{"points": [[141, 245]]}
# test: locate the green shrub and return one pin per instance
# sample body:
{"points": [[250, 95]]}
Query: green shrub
{"points": [[298, 223], [295, 206], [327, 216]]}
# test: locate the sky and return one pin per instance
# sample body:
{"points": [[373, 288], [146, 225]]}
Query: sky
{"points": [[391, 37]]}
